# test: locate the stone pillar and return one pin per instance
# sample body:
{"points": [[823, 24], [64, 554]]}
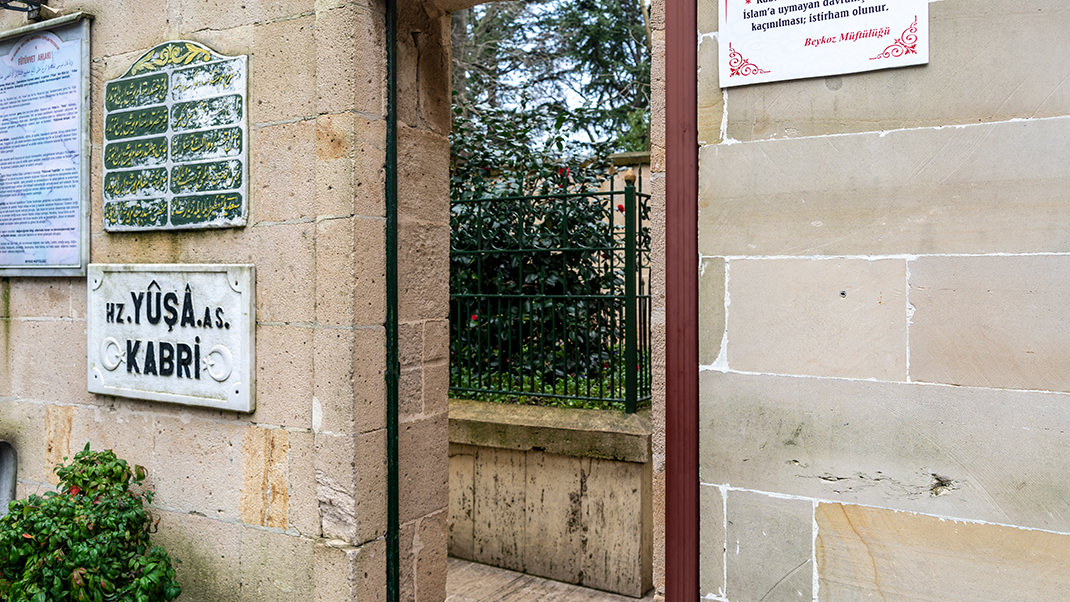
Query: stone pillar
{"points": [[657, 281], [424, 121]]}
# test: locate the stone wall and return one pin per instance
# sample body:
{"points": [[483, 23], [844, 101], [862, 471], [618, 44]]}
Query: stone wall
{"points": [[288, 502], [883, 257], [562, 494]]}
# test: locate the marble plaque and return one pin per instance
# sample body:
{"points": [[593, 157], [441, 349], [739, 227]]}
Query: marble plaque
{"points": [[176, 333], [176, 143]]}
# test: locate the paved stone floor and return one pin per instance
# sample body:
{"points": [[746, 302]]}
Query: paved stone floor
{"points": [[472, 582]]}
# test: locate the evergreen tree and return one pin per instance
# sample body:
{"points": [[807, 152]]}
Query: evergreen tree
{"points": [[591, 53]]}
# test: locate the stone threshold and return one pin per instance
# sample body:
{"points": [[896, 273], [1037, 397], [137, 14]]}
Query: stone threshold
{"points": [[473, 582]]}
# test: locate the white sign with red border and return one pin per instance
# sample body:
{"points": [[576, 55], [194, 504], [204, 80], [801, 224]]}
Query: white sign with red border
{"points": [[775, 40]]}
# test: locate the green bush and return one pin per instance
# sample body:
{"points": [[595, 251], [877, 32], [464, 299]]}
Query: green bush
{"points": [[531, 278], [88, 542]]}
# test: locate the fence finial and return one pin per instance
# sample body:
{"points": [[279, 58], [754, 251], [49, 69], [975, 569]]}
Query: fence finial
{"points": [[629, 176]]}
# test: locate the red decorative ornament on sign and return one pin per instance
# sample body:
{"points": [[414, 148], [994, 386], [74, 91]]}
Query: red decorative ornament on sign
{"points": [[907, 43], [741, 66]]}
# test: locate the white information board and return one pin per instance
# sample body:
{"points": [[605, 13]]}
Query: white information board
{"points": [[172, 332], [44, 142], [774, 40]]}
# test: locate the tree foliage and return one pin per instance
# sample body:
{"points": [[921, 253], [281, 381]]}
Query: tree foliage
{"points": [[544, 92], [88, 542], [591, 53]]}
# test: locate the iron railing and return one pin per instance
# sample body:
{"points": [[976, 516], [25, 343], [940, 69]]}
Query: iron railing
{"points": [[550, 299]]}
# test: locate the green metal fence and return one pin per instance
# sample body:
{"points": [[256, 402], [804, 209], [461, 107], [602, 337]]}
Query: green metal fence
{"points": [[550, 299]]}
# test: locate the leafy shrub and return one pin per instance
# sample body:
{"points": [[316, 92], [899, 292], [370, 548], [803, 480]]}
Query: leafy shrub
{"points": [[531, 278], [88, 542]]}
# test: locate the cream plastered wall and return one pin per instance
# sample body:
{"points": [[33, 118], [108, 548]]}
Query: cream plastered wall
{"points": [[885, 258], [289, 502]]}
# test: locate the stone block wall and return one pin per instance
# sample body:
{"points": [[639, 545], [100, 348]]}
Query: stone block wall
{"points": [[288, 502], [562, 494], [883, 256]]}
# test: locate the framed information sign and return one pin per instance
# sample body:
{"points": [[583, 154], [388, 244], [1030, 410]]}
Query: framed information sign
{"points": [[44, 148], [176, 141], [775, 40]]}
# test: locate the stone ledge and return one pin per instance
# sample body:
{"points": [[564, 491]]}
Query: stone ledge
{"points": [[603, 434]]}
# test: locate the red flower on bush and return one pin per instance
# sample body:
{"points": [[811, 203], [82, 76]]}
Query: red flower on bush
{"points": [[620, 208]]}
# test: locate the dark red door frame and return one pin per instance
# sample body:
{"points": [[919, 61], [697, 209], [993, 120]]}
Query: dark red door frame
{"points": [[681, 301]]}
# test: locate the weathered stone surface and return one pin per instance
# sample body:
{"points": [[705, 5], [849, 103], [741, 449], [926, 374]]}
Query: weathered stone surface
{"points": [[429, 558], [410, 393], [424, 467], [499, 523], [986, 188], [126, 432], [711, 99], [657, 108], [275, 566], [990, 321], [143, 30], [332, 402], [711, 314], [616, 510], [351, 493], [770, 548], [336, 272], [707, 23], [420, 178], [282, 79], [350, 166], [575, 519], [869, 553], [436, 340], [283, 365], [59, 421], [461, 525], [207, 551], [436, 386], [63, 343], [283, 167], [345, 572], [304, 515], [423, 264], [712, 542], [914, 447], [424, 67], [350, 59], [265, 491], [45, 298], [202, 461], [587, 433], [370, 272], [556, 531], [23, 425], [834, 317], [350, 389], [369, 383]]}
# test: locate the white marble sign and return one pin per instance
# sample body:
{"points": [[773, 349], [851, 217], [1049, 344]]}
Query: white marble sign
{"points": [[774, 40], [176, 333]]}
